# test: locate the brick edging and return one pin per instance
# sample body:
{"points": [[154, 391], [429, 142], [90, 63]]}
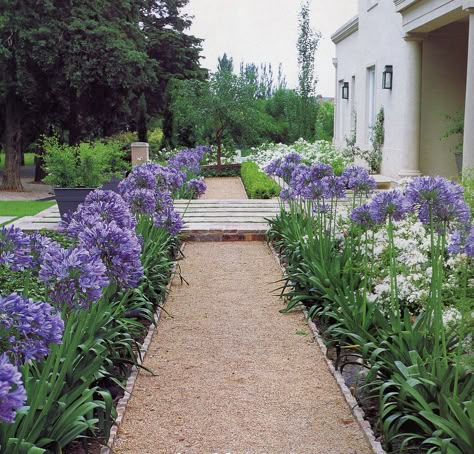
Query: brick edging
{"points": [[122, 403], [351, 402]]}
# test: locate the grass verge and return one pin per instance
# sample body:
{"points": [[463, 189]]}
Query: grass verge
{"points": [[20, 208]]}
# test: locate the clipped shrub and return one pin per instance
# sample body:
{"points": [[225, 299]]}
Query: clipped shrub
{"points": [[257, 184]]}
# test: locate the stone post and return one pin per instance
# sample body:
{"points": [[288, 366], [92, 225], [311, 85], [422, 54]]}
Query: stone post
{"points": [[140, 153], [468, 141], [411, 74]]}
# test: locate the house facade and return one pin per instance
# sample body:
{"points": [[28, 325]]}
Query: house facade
{"points": [[426, 50]]}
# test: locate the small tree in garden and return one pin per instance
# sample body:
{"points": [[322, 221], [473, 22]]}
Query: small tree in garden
{"points": [[213, 110]]}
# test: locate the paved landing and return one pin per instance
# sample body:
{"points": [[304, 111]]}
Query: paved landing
{"points": [[205, 220], [232, 219], [46, 219]]}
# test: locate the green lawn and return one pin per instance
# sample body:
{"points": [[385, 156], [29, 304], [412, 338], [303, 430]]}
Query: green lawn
{"points": [[29, 159], [19, 208]]}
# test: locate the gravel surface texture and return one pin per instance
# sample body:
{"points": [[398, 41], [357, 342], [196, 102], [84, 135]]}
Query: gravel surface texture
{"points": [[224, 188], [232, 374]]}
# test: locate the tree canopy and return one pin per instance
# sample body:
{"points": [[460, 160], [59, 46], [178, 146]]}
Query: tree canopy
{"points": [[80, 67]]}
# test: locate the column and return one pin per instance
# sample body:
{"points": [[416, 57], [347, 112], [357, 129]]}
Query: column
{"points": [[336, 104], [468, 143], [411, 75]]}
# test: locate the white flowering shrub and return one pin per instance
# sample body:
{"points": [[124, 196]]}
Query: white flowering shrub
{"points": [[311, 153]]}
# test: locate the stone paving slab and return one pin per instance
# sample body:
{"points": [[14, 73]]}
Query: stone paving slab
{"points": [[4, 219]]}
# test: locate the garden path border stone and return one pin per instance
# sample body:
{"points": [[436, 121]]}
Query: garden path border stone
{"points": [[352, 403]]}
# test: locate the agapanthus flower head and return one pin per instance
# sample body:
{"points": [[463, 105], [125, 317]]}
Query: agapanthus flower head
{"points": [[74, 277], [300, 179], [12, 391], [438, 200], [141, 177], [187, 161], [15, 249], [197, 186], [169, 179], [469, 246], [142, 201], [462, 241], [389, 204], [287, 165], [118, 249], [334, 187], [100, 206], [169, 219], [287, 194], [358, 180], [320, 170], [363, 217], [29, 327], [273, 167], [39, 244]]}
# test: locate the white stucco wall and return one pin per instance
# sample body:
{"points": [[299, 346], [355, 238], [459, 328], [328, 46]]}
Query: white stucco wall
{"points": [[443, 92], [380, 41]]}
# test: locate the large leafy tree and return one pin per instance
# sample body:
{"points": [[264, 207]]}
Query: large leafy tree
{"points": [[80, 67]]}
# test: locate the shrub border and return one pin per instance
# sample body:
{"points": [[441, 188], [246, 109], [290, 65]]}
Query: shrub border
{"points": [[123, 402], [351, 402]]}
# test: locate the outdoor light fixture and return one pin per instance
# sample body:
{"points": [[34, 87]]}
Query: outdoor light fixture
{"points": [[387, 81], [345, 90]]}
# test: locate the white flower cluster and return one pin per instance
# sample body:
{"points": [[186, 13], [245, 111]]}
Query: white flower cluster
{"points": [[319, 151]]}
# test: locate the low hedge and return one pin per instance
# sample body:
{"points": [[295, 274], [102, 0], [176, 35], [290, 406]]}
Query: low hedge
{"points": [[257, 184]]}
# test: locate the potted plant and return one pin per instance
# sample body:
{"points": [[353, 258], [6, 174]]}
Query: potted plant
{"points": [[456, 128], [74, 171]]}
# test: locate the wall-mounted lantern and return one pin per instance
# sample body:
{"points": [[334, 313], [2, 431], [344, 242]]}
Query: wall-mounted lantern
{"points": [[345, 90], [387, 81]]}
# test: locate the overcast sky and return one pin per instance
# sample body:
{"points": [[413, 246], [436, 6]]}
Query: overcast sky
{"points": [[260, 31]]}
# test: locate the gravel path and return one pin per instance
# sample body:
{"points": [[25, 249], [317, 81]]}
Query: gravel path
{"points": [[224, 188], [232, 374]]}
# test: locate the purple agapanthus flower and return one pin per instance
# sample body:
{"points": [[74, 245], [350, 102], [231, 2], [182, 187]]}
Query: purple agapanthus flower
{"points": [[39, 244], [358, 180], [300, 179], [197, 186], [15, 249], [29, 327], [100, 206], [320, 170], [169, 219], [187, 161], [469, 246], [74, 277], [12, 391], [334, 187], [363, 217], [462, 241], [438, 200], [118, 249], [389, 204], [141, 177], [287, 194], [142, 201]]}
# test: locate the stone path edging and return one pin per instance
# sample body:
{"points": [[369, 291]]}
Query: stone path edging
{"points": [[122, 403], [352, 403]]}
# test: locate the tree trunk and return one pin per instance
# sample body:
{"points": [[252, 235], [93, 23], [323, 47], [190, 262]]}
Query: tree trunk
{"points": [[219, 146], [13, 135]]}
